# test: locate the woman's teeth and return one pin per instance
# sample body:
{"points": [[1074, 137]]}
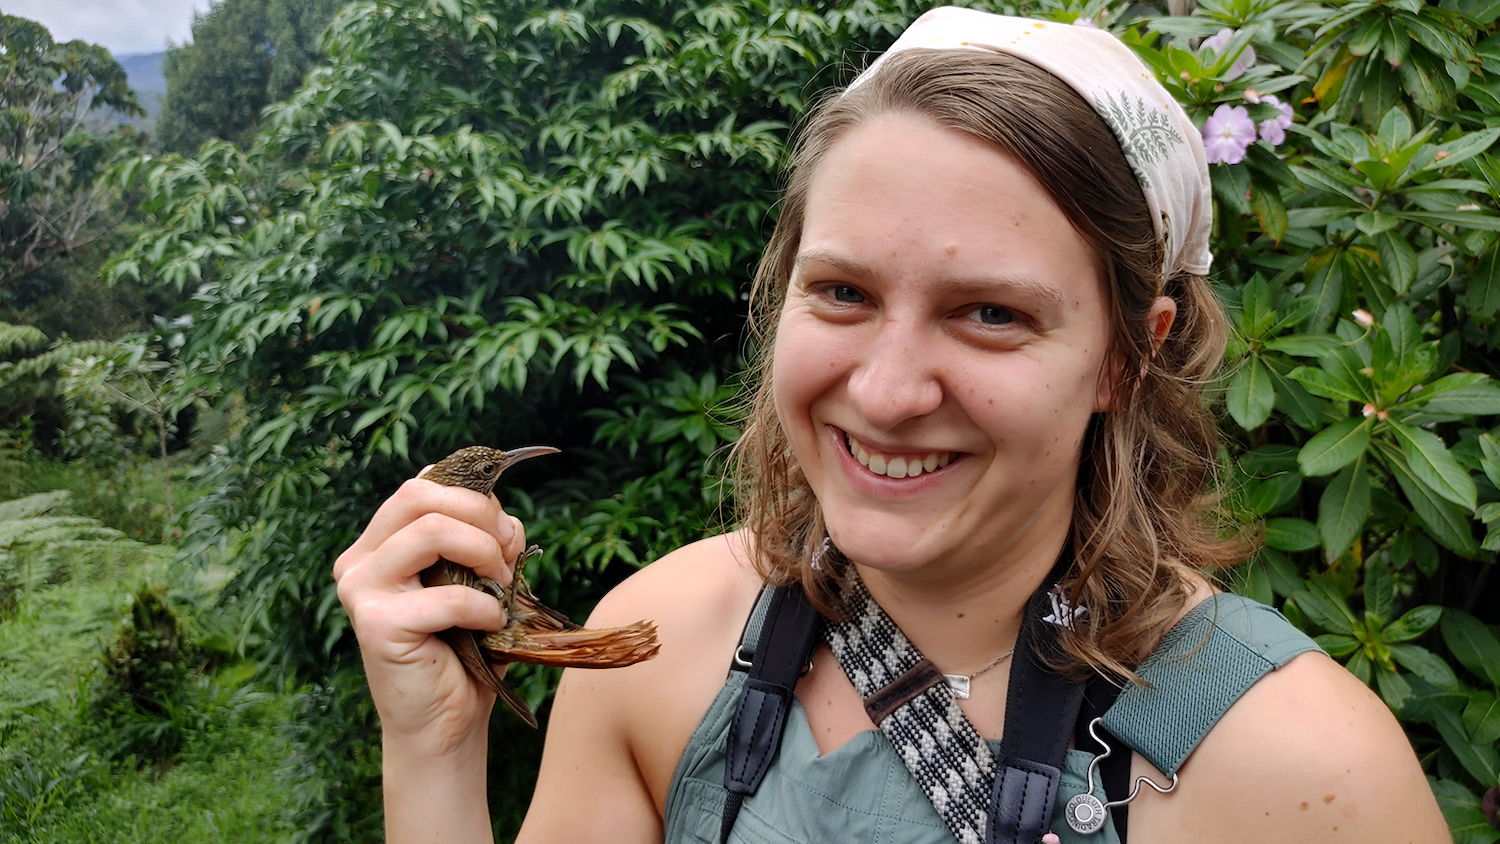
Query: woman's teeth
{"points": [[897, 467]]}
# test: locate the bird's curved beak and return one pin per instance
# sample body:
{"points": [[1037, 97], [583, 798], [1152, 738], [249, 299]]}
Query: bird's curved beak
{"points": [[516, 455]]}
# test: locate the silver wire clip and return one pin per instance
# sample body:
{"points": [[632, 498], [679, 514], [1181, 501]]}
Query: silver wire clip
{"points": [[1087, 813]]}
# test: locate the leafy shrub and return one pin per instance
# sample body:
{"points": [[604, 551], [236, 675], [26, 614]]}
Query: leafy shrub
{"points": [[140, 703]]}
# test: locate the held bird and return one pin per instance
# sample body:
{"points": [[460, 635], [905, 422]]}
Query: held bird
{"points": [[533, 632]]}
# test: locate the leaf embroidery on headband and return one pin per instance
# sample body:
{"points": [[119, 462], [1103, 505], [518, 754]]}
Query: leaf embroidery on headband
{"points": [[1145, 133]]}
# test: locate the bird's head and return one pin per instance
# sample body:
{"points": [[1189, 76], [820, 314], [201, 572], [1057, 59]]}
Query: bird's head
{"points": [[478, 467]]}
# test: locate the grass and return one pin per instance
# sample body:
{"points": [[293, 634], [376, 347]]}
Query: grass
{"points": [[128, 496], [74, 765]]}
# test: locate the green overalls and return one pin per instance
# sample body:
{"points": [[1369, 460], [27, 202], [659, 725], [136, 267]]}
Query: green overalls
{"points": [[861, 792]]}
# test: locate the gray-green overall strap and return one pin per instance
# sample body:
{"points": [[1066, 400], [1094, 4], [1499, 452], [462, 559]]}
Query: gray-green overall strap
{"points": [[788, 632], [1203, 665]]}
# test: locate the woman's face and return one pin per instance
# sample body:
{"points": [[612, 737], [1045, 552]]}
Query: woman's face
{"points": [[940, 352]]}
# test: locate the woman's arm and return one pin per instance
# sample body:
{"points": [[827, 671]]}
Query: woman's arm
{"points": [[433, 717]]}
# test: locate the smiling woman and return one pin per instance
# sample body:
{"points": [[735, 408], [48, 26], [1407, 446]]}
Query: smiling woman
{"points": [[977, 440]]}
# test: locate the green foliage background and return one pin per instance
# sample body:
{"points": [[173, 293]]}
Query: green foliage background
{"points": [[527, 222], [244, 55]]}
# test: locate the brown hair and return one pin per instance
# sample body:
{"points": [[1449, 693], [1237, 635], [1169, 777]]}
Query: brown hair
{"points": [[1141, 519]]}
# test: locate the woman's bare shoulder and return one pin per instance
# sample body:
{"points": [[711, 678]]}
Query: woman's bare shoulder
{"points": [[625, 729], [701, 584], [1309, 753]]}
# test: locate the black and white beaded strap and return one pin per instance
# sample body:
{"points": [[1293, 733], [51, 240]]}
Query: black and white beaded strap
{"points": [[908, 699]]}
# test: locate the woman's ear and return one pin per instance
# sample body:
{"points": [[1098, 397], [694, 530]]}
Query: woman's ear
{"points": [[1158, 325], [1159, 320]]}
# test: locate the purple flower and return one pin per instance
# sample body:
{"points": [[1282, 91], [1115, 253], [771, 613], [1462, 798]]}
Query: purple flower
{"points": [[1274, 129], [1087, 23], [1228, 134], [1218, 42]]}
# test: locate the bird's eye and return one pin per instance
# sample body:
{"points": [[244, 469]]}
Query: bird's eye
{"points": [[485, 467]]}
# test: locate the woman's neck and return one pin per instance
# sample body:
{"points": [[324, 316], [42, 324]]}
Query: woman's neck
{"points": [[962, 617]]}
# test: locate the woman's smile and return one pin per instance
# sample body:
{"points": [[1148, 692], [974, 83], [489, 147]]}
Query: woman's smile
{"points": [[940, 351], [908, 464]]}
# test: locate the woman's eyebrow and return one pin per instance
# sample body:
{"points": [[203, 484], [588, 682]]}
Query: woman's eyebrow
{"points": [[829, 260], [983, 287], [980, 287]]}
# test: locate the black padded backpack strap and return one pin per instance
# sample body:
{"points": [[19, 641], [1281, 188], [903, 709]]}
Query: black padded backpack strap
{"points": [[1040, 711], [787, 636], [1114, 771]]}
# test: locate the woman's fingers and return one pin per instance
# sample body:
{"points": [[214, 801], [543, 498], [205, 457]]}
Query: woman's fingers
{"points": [[403, 556], [416, 498], [406, 619]]}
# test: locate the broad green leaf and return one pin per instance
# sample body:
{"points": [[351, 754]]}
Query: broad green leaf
{"points": [[1377, 222], [1305, 410], [1484, 285], [1433, 465], [1394, 689], [1463, 812], [1402, 330], [1359, 666], [1482, 717], [1306, 218], [1481, 761], [1325, 284], [1491, 460], [1398, 261], [1343, 508], [1270, 212], [1270, 494], [1462, 393], [1446, 522], [1300, 309], [1321, 382], [1464, 148], [1413, 623], [1327, 611], [1337, 645], [1424, 664], [1395, 129], [1251, 395], [1335, 447], [1256, 310], [1473, 644], [1291, 534], [1281, 572], [1462, 219], [1380, 591]]}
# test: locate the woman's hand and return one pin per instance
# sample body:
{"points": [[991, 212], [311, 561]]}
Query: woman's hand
{"points": [[428, 704]]}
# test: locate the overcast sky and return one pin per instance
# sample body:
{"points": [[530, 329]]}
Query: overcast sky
{"points": [[123, 26]]}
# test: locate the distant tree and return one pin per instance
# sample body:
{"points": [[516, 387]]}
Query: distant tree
{"points": [[245, 54], [51, 201]]}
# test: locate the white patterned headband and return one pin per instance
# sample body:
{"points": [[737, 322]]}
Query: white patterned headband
{"points": [[1163, 146]]}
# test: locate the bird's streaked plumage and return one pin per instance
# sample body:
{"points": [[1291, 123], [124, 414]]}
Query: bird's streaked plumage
{"points": [[533, 632]]}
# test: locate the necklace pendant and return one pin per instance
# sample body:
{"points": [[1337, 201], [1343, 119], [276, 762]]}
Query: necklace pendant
{"points": [[959, 683]]}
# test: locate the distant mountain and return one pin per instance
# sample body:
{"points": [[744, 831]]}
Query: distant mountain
{"points": [[143, 71]]}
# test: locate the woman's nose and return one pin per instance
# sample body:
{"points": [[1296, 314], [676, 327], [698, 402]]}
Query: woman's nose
{"points": [[895, 379]]}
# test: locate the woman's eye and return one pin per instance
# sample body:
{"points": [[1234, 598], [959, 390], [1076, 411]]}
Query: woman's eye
{"points": [[992, 315], [849, 295]]}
